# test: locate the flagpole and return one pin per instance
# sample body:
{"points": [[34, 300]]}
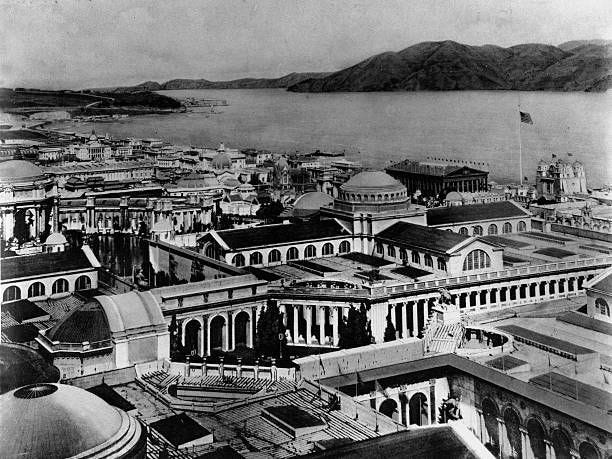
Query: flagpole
{"points": [[520, 142]]}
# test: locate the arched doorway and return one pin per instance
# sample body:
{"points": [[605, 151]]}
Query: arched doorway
{"points": [[417, 408], [242, 323], [588, 451], [491, 436], [389, 409], [192, 337], [512, 420], [535, 431], [218, 330], [561, 444]]}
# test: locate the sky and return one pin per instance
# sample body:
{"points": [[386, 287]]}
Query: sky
{"points": [[96, 43]]}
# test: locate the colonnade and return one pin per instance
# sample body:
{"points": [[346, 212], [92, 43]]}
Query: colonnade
{"points": [[312, 324]]}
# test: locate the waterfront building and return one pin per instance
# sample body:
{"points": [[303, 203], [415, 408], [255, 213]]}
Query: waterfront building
{"points": [[557, 179], [434, 178], [93, 150], [109, 170]]}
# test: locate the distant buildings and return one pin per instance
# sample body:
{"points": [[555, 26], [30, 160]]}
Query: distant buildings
{"points": [[558, 179]]}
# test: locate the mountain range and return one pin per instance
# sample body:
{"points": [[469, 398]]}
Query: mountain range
{"points": [[580, 65], [448, 65]]}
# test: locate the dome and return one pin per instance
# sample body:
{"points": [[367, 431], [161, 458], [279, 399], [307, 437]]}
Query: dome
{"points": [[312, 201], [87, 323], [93, 137], [221, 161], [454, 196], [56, 420], [371, 180], [19, 170], [56, 239], [282, 163]]}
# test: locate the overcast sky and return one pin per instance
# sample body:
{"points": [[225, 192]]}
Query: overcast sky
{"points": [[89, 43]]}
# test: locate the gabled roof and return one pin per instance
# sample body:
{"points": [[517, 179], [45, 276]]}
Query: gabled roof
{"points": [[238, 239], [474, 212], [418, 236], [602, 282]]}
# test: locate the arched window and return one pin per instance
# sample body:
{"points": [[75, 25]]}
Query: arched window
{"points": [[477, 231], [416, 258], [238, 260], [403, 254], [475, 260], [82, 283], [492, 231], [328, 249], [391, 251], [464, 231], [12, 293], [60, 286], [210, 251], [441, 264], [379, 248], [428, 261], [256, 258], [522, 226], [292, 254], [507, 228], [602, 307], [345, 247], [274, 256], [310, 251], [36, 289]]}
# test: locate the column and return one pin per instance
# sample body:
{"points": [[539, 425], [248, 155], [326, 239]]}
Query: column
{"points": [[308, 317], [405, 329], [321, 324], [283, 311], [232, 328], [525, 445], [207, 338], [334, 316], [296, 323], [550, 452], [415, 319], [227, 329], [482, 428], [425, 312], [503, 437], [393, 316]]}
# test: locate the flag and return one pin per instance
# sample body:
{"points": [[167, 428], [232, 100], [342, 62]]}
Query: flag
{"points": [[525, 118]]}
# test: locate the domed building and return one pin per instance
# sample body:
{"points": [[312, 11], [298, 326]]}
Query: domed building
{"points": [[371, 201], [56, 420], [28, 202]]}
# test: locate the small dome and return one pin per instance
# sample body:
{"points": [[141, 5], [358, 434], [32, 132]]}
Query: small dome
{"points": [[56, 420], [19, 170], [282, 163], [56, 239], [371, 179], [312, 201], [222, 161], [93, 137], [454, 196]]}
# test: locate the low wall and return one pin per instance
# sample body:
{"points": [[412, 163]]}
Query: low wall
{"points": [[348, 361], [590, 234], [112, 378]]}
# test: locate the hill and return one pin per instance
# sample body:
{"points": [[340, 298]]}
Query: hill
{"points": [[448, 65]]}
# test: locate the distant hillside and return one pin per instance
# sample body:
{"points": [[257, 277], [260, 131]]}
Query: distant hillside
{"points": [[447, 65], [243, 83]]}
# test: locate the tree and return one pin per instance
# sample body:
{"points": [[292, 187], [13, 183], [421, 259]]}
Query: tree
{"points": [[355, 329], [269, 328], [389, 331]]}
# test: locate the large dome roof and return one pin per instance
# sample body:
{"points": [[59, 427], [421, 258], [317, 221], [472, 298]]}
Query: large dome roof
{"points": [[371, 180], [56, 420], [313, 201], [19, 170]]}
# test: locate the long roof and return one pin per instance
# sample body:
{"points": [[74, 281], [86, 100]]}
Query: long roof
{"points": [[257, 236], [43, 263], [412, 235], [474, 212]]}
